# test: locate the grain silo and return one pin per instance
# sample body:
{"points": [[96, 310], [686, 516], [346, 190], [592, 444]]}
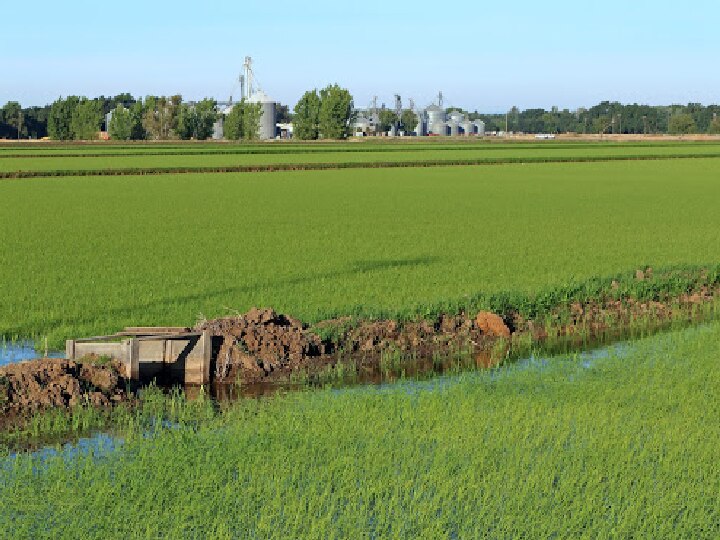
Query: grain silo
{"points": [[420, 129], [453, 128], [468, 127], [439, 128], [267, 129], [480, 128], [436, 119]]}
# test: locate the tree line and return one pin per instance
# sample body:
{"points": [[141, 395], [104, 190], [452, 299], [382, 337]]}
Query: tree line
{"points": [[151, 118], [608, 118], [323, 114], [326, 113]]}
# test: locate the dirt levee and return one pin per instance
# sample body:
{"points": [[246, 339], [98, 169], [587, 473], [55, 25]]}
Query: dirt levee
{"points": [[262, 344]]}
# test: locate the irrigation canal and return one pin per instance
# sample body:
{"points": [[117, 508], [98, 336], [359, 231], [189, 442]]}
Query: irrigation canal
{"points": [[104, 443]]}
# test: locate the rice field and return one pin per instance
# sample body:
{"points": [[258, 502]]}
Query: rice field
{"points": [[89, 255], [614, 445]]}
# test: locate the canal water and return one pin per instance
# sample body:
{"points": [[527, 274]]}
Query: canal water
{"points": [[103, 444], [17, 351]]}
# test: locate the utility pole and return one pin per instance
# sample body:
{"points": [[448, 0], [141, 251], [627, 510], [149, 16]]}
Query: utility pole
{"points": [[20, 119], [644, 124], [620, 120], [506, 123]]}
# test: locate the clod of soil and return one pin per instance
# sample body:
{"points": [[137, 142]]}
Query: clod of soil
{"points": [[28, 387], [492, 324]]}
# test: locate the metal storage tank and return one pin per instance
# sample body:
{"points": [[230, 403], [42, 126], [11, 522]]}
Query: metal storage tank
{"points": [[457, 116], [454, 128], [219, 129], [468, 127], [435, 115], [480, 127], [439, 128], [420, 128], [267, 128]]}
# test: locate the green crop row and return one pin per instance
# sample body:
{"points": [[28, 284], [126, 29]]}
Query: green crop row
{"points": [[360, 164], [149, 164], [621, 445], [293, 148]]}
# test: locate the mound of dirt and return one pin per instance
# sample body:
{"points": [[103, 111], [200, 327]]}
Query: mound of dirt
{"points": [[35, 385], [261, 342]]}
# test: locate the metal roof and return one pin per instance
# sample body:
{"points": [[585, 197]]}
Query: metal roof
{"points": [[260, 97]]}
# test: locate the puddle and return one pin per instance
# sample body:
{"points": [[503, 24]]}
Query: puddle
{"points": [[99, 445], [17, 351]]}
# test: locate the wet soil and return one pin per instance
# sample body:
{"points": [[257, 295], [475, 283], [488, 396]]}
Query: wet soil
{"points": [[37, 385]]}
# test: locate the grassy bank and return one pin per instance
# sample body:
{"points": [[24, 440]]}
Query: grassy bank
{"points": [[576, 447]]}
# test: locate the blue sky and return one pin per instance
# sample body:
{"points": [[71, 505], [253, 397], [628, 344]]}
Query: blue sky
{"points": [[482, 55]]}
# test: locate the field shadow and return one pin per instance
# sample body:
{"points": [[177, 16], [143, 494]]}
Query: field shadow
{"points": [[386, 264], [354, 268]]}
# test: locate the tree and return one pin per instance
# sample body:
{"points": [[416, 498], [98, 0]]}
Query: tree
{"points": [[387, 119], [120, 128], [137, 131], [60, 118], [282, 114], [186, 121], [206, 116], [243, 121], [550, 122], [34, 122], [306, 118], [196, 121], [13, 117], [601, 124], [86, 119], [336, 110], [714, 127], [160, 116], [409, 120], [682, 124]]}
